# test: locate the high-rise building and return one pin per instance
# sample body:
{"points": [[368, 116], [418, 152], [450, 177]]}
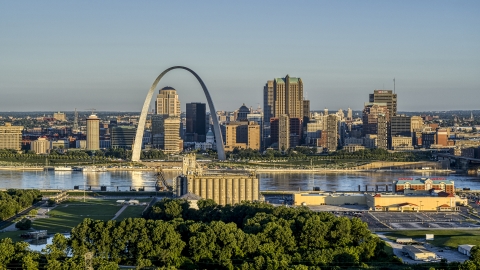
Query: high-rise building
{"points": [[401, 126], [93, 132], [242, 134], [283, 96], [332, 132], [382, 131], [167, 102], [306, 110], [268, 102], [370, 117], [349, 114], [172, 142], [388, 97], [195, 122], [283, 132], [122, 137], [11, 136], [295, 132]]}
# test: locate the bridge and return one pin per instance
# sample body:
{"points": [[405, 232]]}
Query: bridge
{"points": [[465, 163]]}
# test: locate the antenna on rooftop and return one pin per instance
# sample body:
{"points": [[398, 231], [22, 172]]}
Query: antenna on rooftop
{"points": [[92, 109], [394, 85]]}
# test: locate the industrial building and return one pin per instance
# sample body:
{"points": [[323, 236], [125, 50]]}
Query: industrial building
{"points": [[222, 188]]}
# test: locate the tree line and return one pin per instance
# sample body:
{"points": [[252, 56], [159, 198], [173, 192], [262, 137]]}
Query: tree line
{"points": [[307, 153], [14, 200]]}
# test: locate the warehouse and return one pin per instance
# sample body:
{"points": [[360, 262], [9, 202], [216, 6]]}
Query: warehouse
{"points": [[418, 253]]}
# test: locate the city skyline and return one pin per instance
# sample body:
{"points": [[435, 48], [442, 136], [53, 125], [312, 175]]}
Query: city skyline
{"points": [[61, 56]]}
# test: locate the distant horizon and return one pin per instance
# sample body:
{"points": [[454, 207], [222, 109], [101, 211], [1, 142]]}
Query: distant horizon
{"points": [[316, 110]]}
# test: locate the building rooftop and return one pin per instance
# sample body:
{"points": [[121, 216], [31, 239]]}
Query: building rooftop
{"points": [[421, 181]]}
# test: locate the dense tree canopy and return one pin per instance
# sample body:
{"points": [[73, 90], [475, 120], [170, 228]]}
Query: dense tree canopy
{"points": [[243, 236]]}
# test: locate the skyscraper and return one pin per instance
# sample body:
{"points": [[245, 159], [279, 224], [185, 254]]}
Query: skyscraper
{"points": [[195, 122], [167, 102], [93, 132], [388, 97], [283, 97]]}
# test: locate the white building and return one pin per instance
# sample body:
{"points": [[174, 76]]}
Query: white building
{"points": [[40, 146], [465, 249]]}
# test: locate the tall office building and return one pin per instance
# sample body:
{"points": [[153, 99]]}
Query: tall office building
{"points": [[268, 102], [306, 110], [283, 132], [332, 132], [371, 112], [195, 122], [166, 121], [122, 137], [388, 97], [283, 96], [93, 132], [382, 131], [11, 136], [172, 142], [167, 102]]}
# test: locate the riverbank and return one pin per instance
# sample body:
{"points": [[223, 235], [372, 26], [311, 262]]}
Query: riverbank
{"points": [[323, 170], [262, 170]]}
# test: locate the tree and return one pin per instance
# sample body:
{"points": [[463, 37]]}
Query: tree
{"points": [[24, 224]]}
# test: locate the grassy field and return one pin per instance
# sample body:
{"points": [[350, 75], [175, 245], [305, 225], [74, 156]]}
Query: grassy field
{"points": [[443, 238], [69, 214], [132, 211]]}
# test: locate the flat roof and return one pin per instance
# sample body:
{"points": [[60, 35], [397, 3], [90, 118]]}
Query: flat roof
{"points": [[417, 249]]}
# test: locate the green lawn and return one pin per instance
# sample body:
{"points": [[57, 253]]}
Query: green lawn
{"points": [[443, 238], [132, 211], [15, 236], [69, 214]]}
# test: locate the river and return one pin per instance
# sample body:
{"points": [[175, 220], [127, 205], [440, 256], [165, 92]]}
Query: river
{"points": [[125, 180]]}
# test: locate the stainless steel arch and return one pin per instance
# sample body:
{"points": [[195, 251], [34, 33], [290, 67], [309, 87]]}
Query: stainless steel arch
{"points": [[137, 147]]}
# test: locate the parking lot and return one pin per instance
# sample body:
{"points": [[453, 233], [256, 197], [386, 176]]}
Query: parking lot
{"points": [[452, 255]]}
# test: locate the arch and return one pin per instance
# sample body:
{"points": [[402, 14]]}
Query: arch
{"points": [[137, 147]]}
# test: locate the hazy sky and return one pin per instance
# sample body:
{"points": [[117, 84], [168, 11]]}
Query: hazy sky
{"points": [[61, 55]]}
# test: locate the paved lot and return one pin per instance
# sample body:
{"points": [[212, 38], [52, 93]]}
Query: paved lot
{"points": [[451, 255], [421, 220]]}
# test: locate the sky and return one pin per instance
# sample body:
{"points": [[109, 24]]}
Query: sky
{"points": [[61, 55]]}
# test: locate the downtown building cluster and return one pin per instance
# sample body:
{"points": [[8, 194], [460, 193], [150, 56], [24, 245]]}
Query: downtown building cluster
{"points": [[286, 121]]}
